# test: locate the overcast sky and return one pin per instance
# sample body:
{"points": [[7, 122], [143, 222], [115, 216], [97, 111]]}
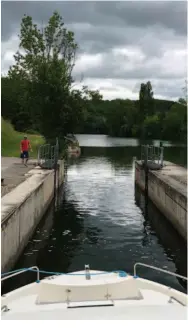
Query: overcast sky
{"points": [[121, 44]]}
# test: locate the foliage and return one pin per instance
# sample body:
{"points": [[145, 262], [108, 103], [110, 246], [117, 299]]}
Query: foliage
{"points": [[175, 123], [45, 66], [146, 105], [146, 101], [87, 112], [10, 140], [152, 127]]}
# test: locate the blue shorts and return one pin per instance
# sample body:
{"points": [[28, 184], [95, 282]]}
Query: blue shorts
{"points": [[24, 154]]}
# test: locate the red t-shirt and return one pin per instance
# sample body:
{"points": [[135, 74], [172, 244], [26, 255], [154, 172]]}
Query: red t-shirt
{"points": [[25, 145]]}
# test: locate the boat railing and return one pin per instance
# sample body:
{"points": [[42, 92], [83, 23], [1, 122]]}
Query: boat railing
{"points": [[33, 268], [158, 269], [22, 271]]}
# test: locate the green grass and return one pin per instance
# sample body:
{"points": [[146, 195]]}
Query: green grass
{"points": [[10, 141]]}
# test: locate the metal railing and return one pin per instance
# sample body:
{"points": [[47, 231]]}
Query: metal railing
{"points": [[150, 153], [48, 155], [158, 269], [22, 271], [135, 265]]}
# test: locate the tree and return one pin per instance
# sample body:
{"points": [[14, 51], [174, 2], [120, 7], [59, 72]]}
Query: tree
{"points": [[12, 97], [152, 127], [94, 120], [175, 123], [22, 122], [146, 105], [183, 100], [46, 65], [121, 117], [146, 100]]}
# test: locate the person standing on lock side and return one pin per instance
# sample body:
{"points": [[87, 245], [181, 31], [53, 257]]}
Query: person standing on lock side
{"points": [[25, 146]]}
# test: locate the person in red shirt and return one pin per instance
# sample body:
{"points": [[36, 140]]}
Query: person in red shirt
{"points": [[25, 146]]}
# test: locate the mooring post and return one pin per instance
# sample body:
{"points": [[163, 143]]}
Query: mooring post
{"points": [[146, 175], [161, 153], [56, 151], [146, 155]]}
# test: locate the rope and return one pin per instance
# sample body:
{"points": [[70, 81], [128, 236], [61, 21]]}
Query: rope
{"points": [[121, 273]]}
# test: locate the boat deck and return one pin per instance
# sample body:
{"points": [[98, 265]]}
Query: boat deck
{"points": [[104, 296], [25, 308]]}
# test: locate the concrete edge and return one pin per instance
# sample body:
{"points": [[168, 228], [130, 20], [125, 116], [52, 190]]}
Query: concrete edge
{"points": [[176, 186], [165, 179], [16, 197]]}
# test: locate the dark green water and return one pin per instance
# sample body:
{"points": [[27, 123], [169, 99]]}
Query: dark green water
{"points": [[101, 219]]}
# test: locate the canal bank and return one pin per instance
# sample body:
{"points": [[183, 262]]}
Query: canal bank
{"points": [[167, 188], [22, 209]]}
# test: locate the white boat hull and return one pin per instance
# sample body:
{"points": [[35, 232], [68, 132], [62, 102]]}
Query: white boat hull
{"points": [[104, 296]]}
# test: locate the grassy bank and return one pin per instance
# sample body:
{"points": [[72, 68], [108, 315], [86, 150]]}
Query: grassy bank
{"points": [[10, 141]]}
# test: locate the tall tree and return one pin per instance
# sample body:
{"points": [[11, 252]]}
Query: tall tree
{"points": [[146, 100], [46, 63]]}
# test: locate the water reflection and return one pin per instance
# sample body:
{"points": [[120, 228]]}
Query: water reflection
{"points": [[107, 141]]}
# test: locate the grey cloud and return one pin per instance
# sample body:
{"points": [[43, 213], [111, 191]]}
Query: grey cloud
{"points": [[112, 67], [100, 26], [72, 12], [103, 88], [99, 39], [152, 26], [140, 73], [169, 14], [169, 89]]}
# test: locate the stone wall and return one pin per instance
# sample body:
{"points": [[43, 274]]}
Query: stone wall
{"points": [[22, 210], [166, 196]]}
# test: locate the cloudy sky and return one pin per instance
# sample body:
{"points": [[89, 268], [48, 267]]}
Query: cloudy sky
{"points": [[121, 44]]}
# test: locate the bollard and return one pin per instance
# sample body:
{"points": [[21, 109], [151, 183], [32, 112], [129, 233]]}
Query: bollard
{"points": [[161, 156]]}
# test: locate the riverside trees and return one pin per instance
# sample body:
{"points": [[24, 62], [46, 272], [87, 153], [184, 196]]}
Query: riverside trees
{"points": [[37, 94]]}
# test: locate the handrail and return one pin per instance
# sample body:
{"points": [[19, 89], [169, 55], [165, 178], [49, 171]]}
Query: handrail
{"points": [[158, 269], [120, 272], [21, 271], [150, 153], [48, 153]]}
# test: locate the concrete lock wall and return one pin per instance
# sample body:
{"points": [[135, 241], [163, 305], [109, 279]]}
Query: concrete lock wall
{"points": [[21, 211], [169, 199]]}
